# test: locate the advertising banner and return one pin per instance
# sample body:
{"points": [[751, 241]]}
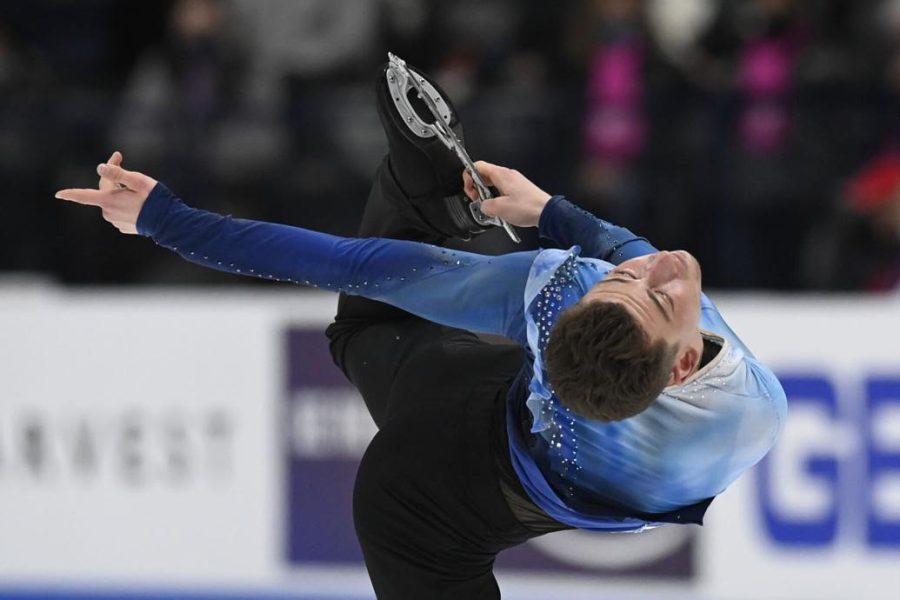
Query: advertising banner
{"points": [[206, 443], [328, 430], [820, 517], [135, 440]]}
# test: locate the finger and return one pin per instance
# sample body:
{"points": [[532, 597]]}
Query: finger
{"points": [[492, 207], [469, 186], [484, 169], [117, 174], [84, 196], [493, 175], [115, 159]]}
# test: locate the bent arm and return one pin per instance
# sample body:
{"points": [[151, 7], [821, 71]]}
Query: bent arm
{"points": [[564, 224], [559, 222], [459, 289]]}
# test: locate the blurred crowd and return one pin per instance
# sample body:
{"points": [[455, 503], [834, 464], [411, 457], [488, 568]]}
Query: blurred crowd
{"points": [[761, 135]]}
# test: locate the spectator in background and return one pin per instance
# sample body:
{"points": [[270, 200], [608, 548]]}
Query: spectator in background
{"points": [[25, 125], [180, 96], [725, 146], [615, 128], [476, 41], [858, 247], [181, 104], [884, 56], [759, 191], [61, 81], [631, 132], [310, 39], [311, 62], [493, 58], [407, 28]]}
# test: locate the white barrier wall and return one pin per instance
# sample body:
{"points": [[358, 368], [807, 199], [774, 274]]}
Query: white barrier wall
{"points": [[821, 517], [172, 440]]}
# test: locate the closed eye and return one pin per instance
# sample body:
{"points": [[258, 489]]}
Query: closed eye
{"points": [[668, 299], [654, 296]]}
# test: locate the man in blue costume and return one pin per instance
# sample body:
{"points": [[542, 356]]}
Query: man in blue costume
{"points": [[626, 402]]}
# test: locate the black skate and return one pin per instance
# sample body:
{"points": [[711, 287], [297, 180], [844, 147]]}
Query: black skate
{"points": [[427, 156]]}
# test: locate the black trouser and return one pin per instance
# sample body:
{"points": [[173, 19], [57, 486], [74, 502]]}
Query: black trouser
{"points": [[428, 508]]}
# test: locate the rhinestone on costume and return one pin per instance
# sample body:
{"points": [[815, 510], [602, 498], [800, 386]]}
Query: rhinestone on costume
{"points": [[558, 293]]}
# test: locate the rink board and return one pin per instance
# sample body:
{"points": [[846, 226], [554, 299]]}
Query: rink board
{"points": [[162, 444]]}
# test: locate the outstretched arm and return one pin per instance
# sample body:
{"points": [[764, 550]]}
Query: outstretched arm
{"points": [[460, 289], [558, 221]]}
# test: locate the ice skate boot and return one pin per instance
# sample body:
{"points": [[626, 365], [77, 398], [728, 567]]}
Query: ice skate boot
{"points": [[427, 156]]}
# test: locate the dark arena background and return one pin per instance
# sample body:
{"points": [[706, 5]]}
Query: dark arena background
{"points": [[169, 432]]}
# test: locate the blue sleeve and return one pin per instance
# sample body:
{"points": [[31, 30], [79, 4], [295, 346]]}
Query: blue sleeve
{"points": [[565, 225], [459, 289]]}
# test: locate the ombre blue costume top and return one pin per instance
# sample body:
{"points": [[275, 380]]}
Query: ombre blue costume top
{"points": [[662, 465]]}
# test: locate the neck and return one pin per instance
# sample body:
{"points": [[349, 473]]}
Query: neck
{"points": [[697, 345], [682, 369]]}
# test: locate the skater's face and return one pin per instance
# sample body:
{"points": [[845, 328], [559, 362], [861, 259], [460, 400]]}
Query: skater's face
{"points": [[661, 290]]}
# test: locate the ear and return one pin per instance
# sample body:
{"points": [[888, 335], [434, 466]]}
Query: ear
{"points": [[685, 364]]}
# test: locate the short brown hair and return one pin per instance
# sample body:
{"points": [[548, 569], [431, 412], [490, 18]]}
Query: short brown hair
{"points": [[602, 365]]}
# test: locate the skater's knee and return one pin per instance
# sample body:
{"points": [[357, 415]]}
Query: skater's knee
{"points": [[371, 489], [383, 476]]}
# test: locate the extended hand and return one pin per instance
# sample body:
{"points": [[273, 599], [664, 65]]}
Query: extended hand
{"points": [[120, 194], [520, 202]]}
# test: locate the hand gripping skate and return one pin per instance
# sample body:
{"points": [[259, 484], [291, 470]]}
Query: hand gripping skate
{"points": [[401, 80]]}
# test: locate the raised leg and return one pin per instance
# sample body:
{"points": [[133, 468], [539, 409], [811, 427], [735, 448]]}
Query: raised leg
{"points": [[427, 505], [411, 199]]}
